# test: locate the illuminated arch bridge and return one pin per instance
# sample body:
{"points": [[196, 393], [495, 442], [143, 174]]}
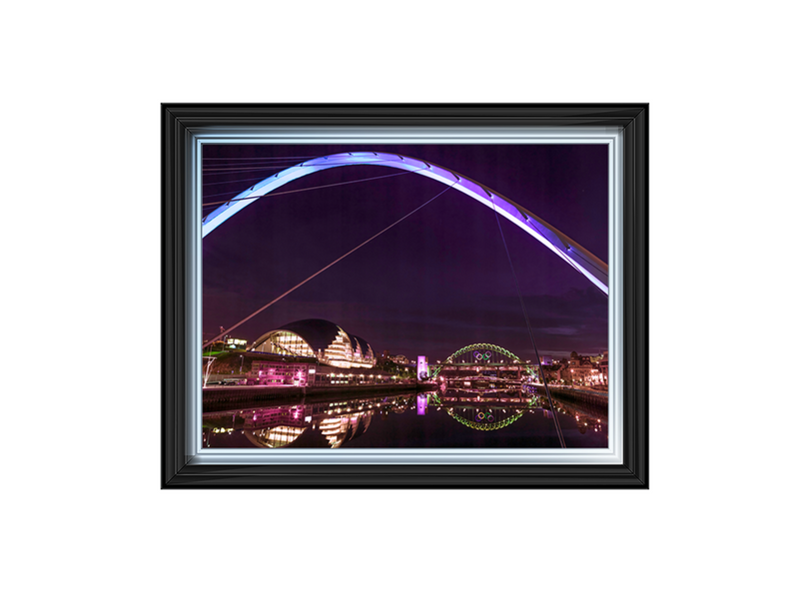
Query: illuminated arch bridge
{"points": [[484, 414], [481, 354], [564, 247]]}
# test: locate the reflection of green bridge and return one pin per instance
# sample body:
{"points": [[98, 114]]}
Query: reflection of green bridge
{"points": [[485, 420], [570, 402], [474, 403]]}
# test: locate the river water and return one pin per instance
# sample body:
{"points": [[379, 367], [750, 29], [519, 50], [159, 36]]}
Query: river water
{"points": [[445, 419]]}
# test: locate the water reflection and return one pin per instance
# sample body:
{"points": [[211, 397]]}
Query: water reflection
{"points": [[487, 413], [446, 418]]}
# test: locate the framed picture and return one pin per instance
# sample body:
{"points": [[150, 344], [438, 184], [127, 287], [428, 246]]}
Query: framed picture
{"points": [[392, 296]]}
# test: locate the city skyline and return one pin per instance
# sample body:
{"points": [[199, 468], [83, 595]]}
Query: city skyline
{"points": [[435, 282]]}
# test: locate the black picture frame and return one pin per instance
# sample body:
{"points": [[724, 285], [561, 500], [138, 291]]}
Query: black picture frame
{"points": [[180, 123]]}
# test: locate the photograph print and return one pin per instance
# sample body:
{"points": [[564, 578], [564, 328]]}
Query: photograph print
{"points": [[444, 296]]}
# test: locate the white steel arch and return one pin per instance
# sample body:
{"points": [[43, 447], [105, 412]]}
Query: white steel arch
{"points": [[564, 247]]}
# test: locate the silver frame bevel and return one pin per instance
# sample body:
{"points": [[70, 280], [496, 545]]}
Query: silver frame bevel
{"points": [[613, 137]]}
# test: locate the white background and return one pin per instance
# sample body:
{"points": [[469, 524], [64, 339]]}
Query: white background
{"points": [[84, 517]]}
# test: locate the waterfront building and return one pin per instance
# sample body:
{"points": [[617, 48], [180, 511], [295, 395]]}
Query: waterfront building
{"points": [[604, 368], [277, 372], [232, 343], [318, 339], [552, 372], [580, 370]]}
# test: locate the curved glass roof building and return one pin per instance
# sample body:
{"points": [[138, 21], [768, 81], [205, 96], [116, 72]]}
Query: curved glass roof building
{"points": [[320, 339]]}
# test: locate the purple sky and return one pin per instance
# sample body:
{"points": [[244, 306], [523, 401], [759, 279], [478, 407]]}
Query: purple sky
{"points": [[436, 282]]}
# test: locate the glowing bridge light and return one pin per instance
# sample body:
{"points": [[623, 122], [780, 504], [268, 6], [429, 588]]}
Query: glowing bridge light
{"points": [[568, 250]]}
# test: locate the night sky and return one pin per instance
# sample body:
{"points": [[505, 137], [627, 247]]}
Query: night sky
{"points": [[434, 283]]}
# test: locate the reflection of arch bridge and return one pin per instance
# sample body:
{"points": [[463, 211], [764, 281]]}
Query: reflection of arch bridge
{"points": [[564, 247], [487, 359], [488, 416]]}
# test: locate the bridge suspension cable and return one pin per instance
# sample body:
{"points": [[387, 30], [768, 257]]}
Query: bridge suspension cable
{"points": [[330, 265], [212, 161], [530, 333], [299, 190]]}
